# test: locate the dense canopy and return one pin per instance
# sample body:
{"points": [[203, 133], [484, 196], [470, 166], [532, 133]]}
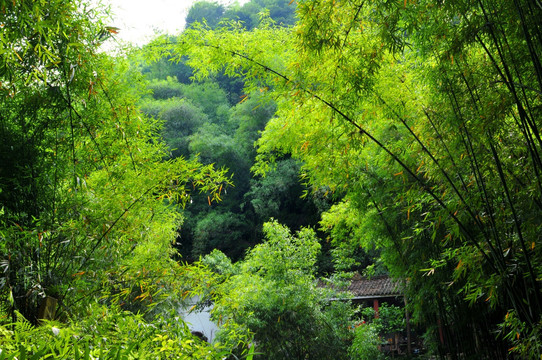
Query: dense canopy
{"points": [[275, 146]]}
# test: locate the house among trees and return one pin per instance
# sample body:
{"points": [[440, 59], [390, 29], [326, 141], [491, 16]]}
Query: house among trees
{"points": [[372, 292]]}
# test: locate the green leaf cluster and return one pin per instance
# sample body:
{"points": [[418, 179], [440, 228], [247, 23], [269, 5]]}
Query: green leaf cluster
{"points": [[208, 120], [272, 297], [105, 333], [365, 343], [425, 117], [90, 202]]}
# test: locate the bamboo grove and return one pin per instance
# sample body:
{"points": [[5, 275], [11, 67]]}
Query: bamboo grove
{"points": [[88, 204], [424, 118], [416, 122]]}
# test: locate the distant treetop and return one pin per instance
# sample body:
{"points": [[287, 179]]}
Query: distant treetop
{"points": [[210, 12]]}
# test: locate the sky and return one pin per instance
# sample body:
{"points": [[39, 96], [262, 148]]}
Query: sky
{"points": [[139, 20]]}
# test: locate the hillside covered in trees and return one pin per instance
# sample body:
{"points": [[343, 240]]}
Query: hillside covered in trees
{"points": [[260, 159]]}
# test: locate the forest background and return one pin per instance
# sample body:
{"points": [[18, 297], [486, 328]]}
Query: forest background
{"points": [[398, 138]]}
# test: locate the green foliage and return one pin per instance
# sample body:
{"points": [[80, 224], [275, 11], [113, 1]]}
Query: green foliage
{"points": [[165, 89], [278, 195], [390, 318], [95, 199], [104, 333], [365, 343], [218, 263], [207, 96], [206, 12], [210, 98], [249, 118], [281, 11], [222, 231], [181, 119], [523, 338], [214, 146], [426, 117], [162, 68], [249, 14], [224, 135], [353, 239], [91, 207], [273, 299]]}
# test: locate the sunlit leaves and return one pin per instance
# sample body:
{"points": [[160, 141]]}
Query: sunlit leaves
{"points": [[91, 204], [272, 295], [426, 115], [106, 333]]}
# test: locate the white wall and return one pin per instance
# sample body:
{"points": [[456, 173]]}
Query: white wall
{"points": [[199, 320]]}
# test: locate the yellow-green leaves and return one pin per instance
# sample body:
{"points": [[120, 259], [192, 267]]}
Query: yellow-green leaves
{"points": [[426, 115]]}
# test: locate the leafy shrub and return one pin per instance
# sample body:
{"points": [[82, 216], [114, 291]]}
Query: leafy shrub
{"points": [[166, 89], [105, 334], [273, 298], [390, 318], [365, 343]]}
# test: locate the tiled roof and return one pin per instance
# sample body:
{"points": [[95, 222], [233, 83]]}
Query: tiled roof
{"points": [[378, 286]]}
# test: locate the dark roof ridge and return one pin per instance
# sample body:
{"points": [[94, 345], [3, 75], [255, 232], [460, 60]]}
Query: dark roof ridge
{"points": [[375, 286]]}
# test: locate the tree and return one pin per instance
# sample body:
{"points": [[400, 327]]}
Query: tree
{"points": [[181, 119], [90, 208], [226, 232], [273, 295], [224, 136], [106, 333], [205, 11], [279, 195], [210, 98], [425, 116], [165, 89], [249, 118], [281, 11]]}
